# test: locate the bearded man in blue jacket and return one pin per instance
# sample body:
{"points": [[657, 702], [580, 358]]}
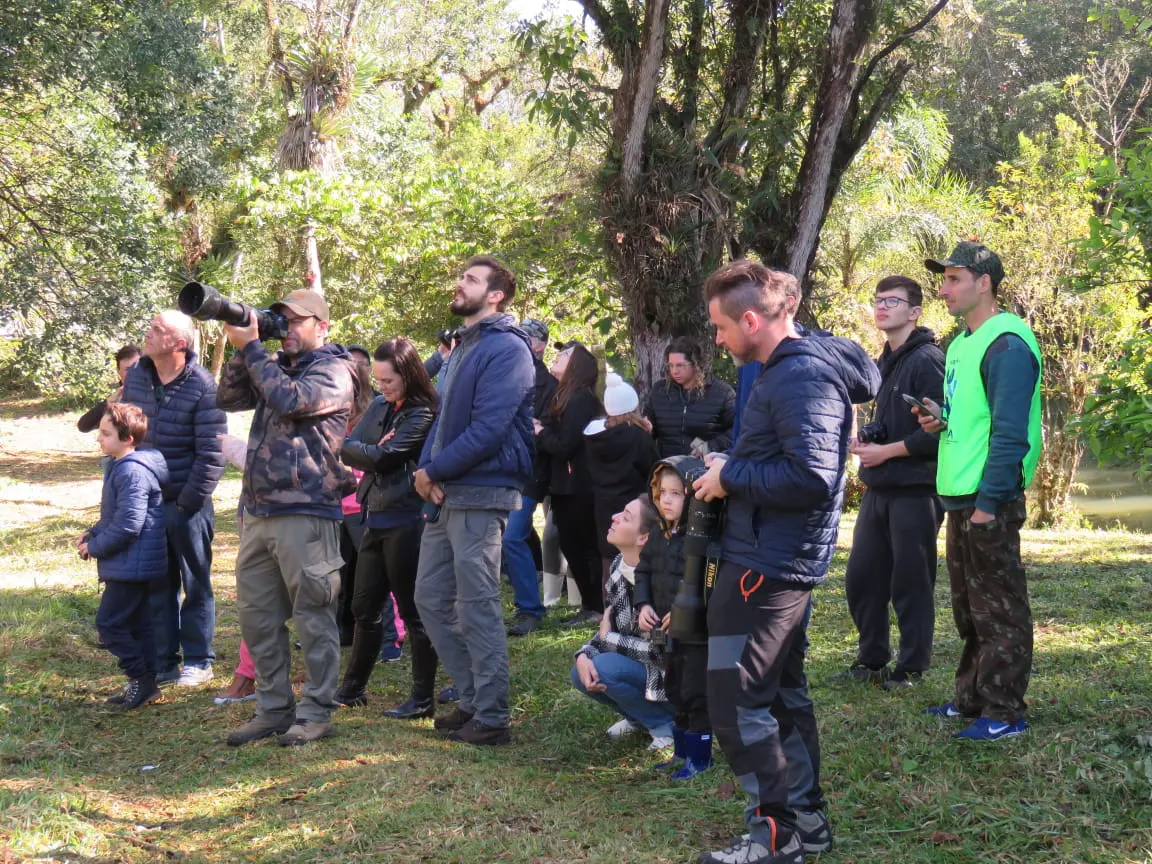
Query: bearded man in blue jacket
{"points": [[784, 481], [477, 462]]}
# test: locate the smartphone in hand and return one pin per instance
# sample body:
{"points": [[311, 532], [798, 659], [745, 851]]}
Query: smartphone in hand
{"points": [[912, 400]]}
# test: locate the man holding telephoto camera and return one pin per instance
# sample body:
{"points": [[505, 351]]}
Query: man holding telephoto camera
{"points": [[289, 561], [784, 481], [893, 554]]}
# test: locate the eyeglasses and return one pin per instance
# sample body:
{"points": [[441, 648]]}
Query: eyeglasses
{"points": [[888, 302]]}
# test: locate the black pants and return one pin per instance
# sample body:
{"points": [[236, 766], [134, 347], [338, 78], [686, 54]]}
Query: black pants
{"points": [[124, 622], [576, 522], [893, 559], [387, 565], [686, 683], [758, 696]]}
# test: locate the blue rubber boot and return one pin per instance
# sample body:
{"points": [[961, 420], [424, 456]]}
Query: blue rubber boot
{"points": [[679, 754], [697, 755]]}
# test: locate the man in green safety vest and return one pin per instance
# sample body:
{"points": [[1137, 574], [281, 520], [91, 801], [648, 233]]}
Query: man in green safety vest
{"points": [[990, 440]]}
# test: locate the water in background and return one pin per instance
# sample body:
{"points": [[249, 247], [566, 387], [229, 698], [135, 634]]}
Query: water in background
{"points": [[1114, 495]]}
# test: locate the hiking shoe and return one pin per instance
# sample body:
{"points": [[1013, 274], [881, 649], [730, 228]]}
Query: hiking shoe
{"points": [[949, 711], [168, 678], [140, 691], [117, 698], [987, 729], [481, 734], [413, 709], [858, 673], [901, 679], [621, 729], [451, 693], [390, 652], [745, 850], [351, 696], [259, 727], [524, 624], [194, 676], [453, 722], [814, 832], [305, 732]]}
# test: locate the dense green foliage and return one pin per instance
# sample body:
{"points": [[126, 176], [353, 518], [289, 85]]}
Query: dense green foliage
{"points": [[376, 145]]}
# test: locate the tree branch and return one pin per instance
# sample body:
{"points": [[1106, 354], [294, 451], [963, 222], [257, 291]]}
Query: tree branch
{"points": [[898, 41]]}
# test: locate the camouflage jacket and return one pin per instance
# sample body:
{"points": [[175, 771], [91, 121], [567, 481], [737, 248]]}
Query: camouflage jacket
{"points": [[293, 463]]}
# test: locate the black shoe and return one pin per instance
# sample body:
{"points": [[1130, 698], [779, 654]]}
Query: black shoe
{"points": [[901, 679], [481, 734], [117, 698], [583, 618], [453, 722], [451, 693], [413, 709], [524, 624], [858, 673], [140, 691], [351, 696], [168, 677]]}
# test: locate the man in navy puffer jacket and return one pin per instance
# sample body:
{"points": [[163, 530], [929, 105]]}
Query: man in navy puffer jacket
{"points": [[178, 396], [784, 481]]}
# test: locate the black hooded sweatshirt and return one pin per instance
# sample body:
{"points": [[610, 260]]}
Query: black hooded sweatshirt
{"points": [[915, 368]]}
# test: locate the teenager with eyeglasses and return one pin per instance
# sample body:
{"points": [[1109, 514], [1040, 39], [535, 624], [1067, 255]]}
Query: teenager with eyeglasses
{"points": [[893, 558]]}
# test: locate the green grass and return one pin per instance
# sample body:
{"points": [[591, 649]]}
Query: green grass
{"points": [[1076, 788]]}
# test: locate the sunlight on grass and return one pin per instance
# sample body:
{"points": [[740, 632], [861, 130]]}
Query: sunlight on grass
{"points": [[81, 782]]}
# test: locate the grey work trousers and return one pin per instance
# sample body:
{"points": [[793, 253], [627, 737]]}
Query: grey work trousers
{"points": [[458, 597], [289, 567]]}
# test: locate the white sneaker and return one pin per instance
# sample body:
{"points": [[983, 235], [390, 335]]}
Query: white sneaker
{"points": [[621, 729], [194, 676], [659, 743]]}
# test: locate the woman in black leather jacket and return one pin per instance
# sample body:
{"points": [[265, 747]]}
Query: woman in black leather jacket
{"points": [[386, 445]]}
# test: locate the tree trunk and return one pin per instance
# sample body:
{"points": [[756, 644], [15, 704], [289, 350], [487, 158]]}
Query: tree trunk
{"points": [[312, 260], [643, 89]]}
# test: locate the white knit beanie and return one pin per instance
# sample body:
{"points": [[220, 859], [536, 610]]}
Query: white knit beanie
{"points": [[619, 397]]}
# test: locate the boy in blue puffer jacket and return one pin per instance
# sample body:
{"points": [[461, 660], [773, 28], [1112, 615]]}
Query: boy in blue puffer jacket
{"points": [[130, 549]]}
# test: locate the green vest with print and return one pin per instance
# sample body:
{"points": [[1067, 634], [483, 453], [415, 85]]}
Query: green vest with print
{"points": [[964, 442]]}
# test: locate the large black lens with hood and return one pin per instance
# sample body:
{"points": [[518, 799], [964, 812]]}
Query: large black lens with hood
{"points": [[205, 303]]}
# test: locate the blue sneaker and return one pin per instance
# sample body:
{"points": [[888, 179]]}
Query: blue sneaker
{"points": [[950, 711], [987, 729], [390, 652]]}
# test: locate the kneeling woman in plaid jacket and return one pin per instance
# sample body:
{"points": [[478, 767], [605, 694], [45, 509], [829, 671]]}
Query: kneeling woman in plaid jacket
{"points": [[619, 667]]}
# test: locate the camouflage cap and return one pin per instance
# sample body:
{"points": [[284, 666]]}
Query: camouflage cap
{"points": [[535, 328], [304, 302], [972, 256]]}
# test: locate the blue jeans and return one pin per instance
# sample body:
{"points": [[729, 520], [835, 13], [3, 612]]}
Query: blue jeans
{"points": [[626, 679], [186, 627], [518, 560]]}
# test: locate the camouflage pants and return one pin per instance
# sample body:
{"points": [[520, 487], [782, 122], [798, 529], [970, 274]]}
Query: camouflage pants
{"points": [[990, 607]]}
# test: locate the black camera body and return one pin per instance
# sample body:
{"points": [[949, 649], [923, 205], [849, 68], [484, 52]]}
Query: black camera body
{"points": [[703, 526], [449, 338], [205, 303], [873, 433]]}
